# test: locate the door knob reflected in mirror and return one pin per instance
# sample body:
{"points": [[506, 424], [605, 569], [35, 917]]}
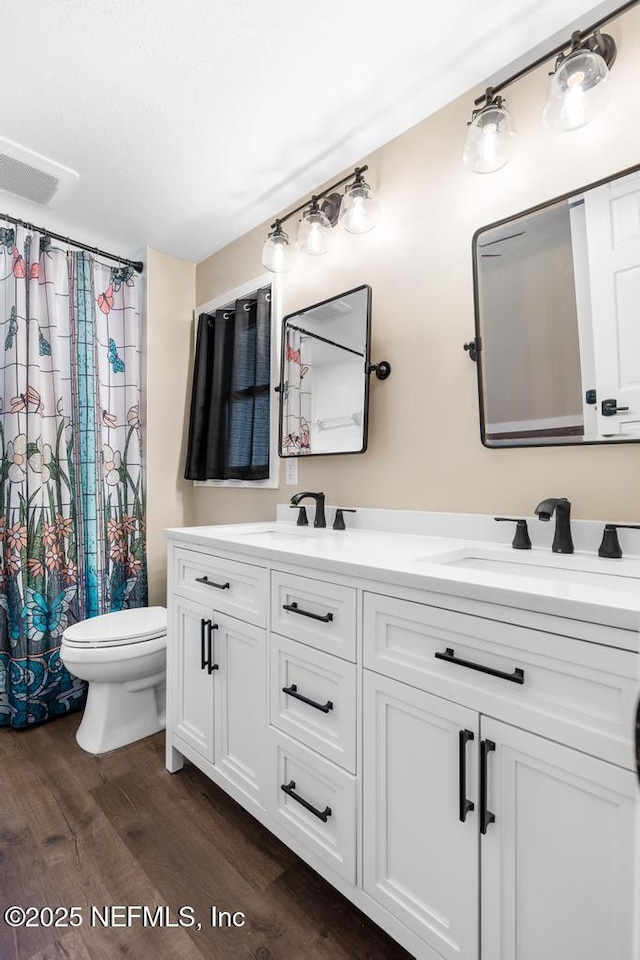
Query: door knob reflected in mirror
{"points": [[610, 408]]}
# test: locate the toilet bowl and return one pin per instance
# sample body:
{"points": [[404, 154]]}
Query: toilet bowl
{"points": [[123, 657]]}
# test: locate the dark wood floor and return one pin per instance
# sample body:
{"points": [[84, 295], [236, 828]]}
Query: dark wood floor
{"points": [[118, 830]]}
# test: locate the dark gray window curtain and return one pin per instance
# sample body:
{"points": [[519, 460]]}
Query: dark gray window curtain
{"points": [[229, 425]]}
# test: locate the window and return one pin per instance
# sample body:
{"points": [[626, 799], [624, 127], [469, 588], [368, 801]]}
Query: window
{"points": [[233, 422]]}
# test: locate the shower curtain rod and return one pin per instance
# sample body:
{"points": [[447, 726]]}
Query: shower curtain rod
{"points": [[332, 343], [137, 265]]}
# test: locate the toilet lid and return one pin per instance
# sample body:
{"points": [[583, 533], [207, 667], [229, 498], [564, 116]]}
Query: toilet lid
{"points": [[115, 629]]}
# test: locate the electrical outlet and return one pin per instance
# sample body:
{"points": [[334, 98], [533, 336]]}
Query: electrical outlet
{"points": [[291, 472]]}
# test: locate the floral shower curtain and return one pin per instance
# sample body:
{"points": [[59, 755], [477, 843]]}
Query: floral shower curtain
{"points": [[72, 539], [296, 399]]}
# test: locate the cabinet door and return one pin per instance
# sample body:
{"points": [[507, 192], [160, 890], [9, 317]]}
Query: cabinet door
{"points": [[559, 863], [420, 859], [239, 650], [192, 682]]}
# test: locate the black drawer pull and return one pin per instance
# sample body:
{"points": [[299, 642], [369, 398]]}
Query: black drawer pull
{"points": [[212, 583], [292, 691], [294, 608], [486, 817], [288, 788], [516, 677], [465, 805]]}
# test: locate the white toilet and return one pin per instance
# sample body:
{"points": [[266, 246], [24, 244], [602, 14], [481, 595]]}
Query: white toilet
{"points": [[123, 657]]}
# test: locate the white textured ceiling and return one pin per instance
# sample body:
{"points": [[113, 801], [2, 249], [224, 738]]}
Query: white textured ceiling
{"points": [[191, 121]]}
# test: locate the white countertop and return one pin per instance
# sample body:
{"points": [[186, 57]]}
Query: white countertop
{"points": [[581, 586]]}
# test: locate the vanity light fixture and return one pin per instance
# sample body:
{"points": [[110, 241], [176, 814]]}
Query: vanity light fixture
{"points": [[580, 88], [492, 137], [359, 211], [276, 253], [579, 91], [356, 211], [314, 231]]}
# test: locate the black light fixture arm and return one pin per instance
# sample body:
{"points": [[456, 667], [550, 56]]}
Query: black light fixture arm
{"points": [[578, 38], [313, 202], [137, 265]]}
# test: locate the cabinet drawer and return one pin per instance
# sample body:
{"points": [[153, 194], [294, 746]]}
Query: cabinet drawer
{"points": [[328, 723], [225, 585], [572, 691], [316, 612], [329, 833]]}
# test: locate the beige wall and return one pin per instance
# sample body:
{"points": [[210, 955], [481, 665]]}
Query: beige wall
{"points": [[170, 302], [424, 447]]}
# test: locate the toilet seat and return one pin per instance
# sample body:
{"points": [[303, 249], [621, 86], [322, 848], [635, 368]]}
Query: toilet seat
{"points": [[120, 629]]}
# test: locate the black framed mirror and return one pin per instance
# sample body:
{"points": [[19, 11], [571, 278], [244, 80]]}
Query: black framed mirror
{"points": [[324, 376], [557, 318]]}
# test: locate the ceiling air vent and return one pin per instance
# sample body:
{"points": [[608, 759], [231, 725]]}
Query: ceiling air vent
{"points": [[29, 175], [328, 311]]}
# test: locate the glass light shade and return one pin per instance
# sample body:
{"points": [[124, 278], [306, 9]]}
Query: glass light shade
{"points": [[580, 89], [276, 253], [359, 211], [314, 232], [491, 140]]}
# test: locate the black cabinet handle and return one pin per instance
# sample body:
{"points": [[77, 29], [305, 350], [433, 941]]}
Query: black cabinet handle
{"points": [[212, 583], [466, 806], [288, 788], [486, 817], [206, 626], [292, 691], [516, 677], [211, 666], [294, 608], [203, 634]]}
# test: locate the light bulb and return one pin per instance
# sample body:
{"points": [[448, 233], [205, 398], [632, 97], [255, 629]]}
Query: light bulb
{"points": [[359, 211], [492, 138], [580, 89], [314, 232], [276, 253]]}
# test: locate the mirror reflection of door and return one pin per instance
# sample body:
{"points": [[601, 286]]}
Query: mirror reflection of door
{"points": [[324, 383], [557, 315], [613, 244]]}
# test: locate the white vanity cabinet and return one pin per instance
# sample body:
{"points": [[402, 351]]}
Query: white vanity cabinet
{"points": [[461, 769], [469, 813], [217, 667], [192, 685], [420, 859], [314, 719], [559, 864]]}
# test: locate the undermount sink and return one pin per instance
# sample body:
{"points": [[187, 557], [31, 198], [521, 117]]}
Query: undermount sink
{"points": [[280, 532], [577, 569]]}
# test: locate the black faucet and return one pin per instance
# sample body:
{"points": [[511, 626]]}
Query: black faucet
{"points": [[562, 542], [319, 499]]}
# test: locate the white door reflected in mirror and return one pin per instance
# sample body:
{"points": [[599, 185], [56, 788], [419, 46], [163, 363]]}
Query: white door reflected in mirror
{"points": [[557, 293]]}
